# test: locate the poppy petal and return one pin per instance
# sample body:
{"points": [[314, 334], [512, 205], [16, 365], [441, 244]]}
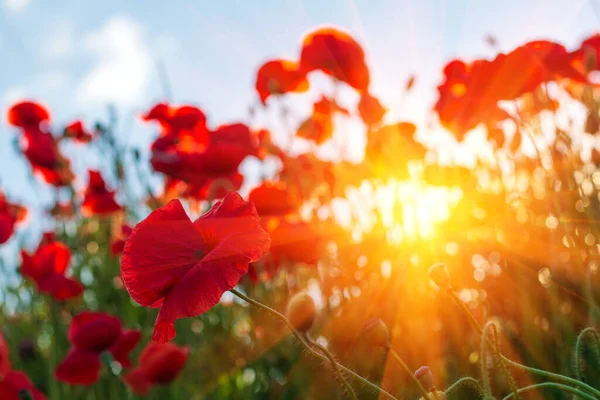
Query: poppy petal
{"points": [[60, 287], [79, 368], [124, 345], [94, 331], [14, 383], [137, 382], [160, 251], [201, 288]]}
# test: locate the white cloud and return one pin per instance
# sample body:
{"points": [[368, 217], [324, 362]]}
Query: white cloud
{"points": [[16, 5], [59, 42], [124, 64]]}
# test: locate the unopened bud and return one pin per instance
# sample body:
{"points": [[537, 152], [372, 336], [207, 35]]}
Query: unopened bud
{"points": [[376, 333], [424, 375], [301, 311], [439, 274]]}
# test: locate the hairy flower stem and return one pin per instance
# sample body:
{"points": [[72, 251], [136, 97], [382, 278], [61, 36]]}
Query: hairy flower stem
{"points": [[553, 385], [546, 374], [334, 365], [410, 373], [306, 345]]}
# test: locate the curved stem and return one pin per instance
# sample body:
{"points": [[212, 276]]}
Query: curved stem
{"points": [[579, 348], [550, 375], [469, 381], [411, 374], [306, 346], [496, 345], [554, 385], [334, 365]]}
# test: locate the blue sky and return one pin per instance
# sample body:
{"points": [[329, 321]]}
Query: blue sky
{"points": [[76, 56]]}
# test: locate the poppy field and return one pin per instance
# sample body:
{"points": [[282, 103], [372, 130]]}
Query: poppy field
{"points": [[171, 272]]}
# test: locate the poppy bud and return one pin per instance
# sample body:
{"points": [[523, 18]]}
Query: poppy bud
{"points": [[27, 350], [301, 311], [439, 274], [424, 375], [376, 333]]}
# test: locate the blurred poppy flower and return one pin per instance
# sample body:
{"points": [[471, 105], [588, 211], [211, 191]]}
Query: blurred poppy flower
{"points": [[471, 92], [179, 121], [273, 199], [299, 241], [91, 334], [277, 77], [77, 131], [319, 126], [47, 268], [370, 109], [390, 149], [27, 115], [10, 215], [200, 172], [118, 242], [13, 383], [184, 267], [159, 364], [41, 150], [337, 54], [98, 200]]}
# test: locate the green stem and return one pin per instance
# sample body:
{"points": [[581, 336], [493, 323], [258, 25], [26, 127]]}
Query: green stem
{"points": [[411, 374], [498, 355], [305, 345], [579, 348], [334, 365], [546, 374], [466, 381], [554, 385]]}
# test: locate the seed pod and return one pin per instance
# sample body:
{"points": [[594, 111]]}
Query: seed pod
{"points": [[301, 311], [424, 375], [439, 274], [376, 333]]}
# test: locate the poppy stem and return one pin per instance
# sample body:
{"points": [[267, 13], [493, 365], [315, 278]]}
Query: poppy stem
{"points": [[306, 345], [334, 365], [410, 373], [546, 374]]}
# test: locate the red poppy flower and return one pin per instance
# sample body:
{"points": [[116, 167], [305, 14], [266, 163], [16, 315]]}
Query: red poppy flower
{"points": [[184, 267], [47, 268], [298, 241], [13, 383], [10, 215], [118, 242], [77, 131], [370, 109], [98, 200], [337, 54], [273, 199], [159, 364], [91, 334], [196, 171], [180, 120], [41, 150], [319, 126], [27, 115], [124, 345], [279, 77]]}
